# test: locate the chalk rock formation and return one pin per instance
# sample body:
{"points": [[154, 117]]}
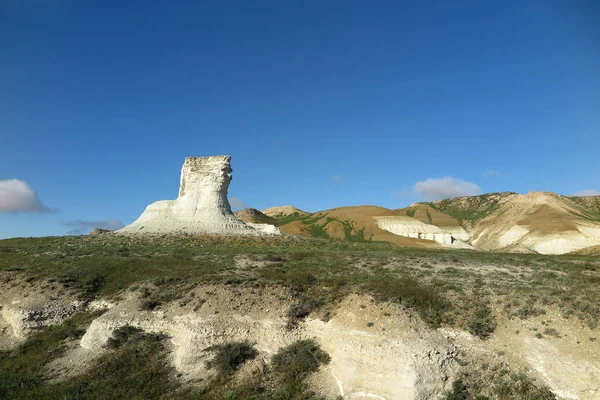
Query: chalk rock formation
{"points": [[413, 228], [202, 206]]}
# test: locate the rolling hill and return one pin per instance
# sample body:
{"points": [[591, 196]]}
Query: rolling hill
{"points": [[254, 216], [540, 222]]}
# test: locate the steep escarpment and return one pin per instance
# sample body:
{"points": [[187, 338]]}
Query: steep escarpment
{"points": [[201, 207]]}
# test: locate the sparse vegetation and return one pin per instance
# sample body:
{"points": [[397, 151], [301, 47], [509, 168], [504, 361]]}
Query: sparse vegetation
{"points": [[142, 358], [300, 309], [325, 270], [589, 207], [285, 379], [229, 357], [409, 292], [459, 391], [442, 287], [289, 218], [294, 363], [520, 386], [318, 231], [471, 209], [481, 323], [123, 335], [552, 332], [497, 382], [21, 370], [317, 226]]}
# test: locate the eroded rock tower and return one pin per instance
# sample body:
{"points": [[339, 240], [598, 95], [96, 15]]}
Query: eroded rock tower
{"points": [[201, 207]]}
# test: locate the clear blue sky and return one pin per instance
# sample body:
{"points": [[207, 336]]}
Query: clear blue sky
{"points": [[320, 103]]}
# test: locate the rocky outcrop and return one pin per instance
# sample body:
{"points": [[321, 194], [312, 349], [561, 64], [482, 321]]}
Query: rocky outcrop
{"points": [[413, 228], [24, 320], [201, 207], [402, 359], [27, 305], [252, 215]]}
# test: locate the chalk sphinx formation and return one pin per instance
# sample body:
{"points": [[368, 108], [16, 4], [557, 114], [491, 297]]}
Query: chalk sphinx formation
{"points": [[201, 207]]}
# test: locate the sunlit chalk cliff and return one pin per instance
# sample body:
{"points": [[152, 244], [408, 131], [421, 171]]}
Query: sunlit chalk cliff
{"points": [[413, 228], [201, 207]]}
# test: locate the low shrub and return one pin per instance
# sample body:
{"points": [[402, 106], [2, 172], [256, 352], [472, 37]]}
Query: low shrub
{"points": [[481, 322], [300, 309], [459, 391], [297, 360], [229, 357], [424, 299], [123, 335]]}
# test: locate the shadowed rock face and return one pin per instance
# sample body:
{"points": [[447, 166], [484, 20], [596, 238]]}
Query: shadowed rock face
{"points": [[202, 206]]}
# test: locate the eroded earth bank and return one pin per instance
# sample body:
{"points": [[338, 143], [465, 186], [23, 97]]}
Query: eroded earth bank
{"points": [[210, 317]]}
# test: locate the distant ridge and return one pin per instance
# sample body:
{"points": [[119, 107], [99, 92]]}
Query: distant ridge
{"points": [[283, 211], [536, 222], [254, 216]]}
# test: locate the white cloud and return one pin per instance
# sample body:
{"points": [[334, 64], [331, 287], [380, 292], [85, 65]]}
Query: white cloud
{"points": [[18, 196], [587, 192], [236, 203], [82, 226], [443, 188]]}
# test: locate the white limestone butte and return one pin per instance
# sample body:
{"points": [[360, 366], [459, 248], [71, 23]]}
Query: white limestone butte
{"points": [[201, 207]]}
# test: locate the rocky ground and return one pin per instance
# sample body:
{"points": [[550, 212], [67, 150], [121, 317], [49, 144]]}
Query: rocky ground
{"points": [[378, 348]]}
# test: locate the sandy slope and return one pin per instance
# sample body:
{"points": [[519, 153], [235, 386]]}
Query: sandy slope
{"points": [[546, 223], [361, 218], [279, 211], [588, 251], [252, 215], [420, 212], [539, 222]]}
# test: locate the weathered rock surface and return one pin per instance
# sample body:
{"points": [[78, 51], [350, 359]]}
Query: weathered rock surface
{"points": [[413, 228], [537, 222], [201, 207], [377, 350], [404, 361], [23, 311]]}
